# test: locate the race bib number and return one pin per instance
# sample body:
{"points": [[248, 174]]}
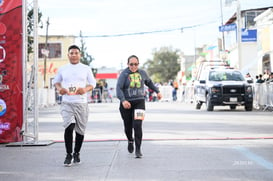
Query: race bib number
{"points": [[72, 88], [139, 114]]}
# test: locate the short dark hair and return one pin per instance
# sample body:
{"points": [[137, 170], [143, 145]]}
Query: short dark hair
{"points": [[132, 56], [73, 47]]}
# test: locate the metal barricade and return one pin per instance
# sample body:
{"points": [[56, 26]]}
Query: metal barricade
{"points": [[166, 92], [189, 94], [106, 96], [269, 97], [184, 93], [263, 96]]}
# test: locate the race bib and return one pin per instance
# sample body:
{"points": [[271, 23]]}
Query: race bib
{"points": [[139, 114], [72, 88]]}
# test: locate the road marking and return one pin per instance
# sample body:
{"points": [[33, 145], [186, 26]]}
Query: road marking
{"points": [[177, 139], [254, 157]]}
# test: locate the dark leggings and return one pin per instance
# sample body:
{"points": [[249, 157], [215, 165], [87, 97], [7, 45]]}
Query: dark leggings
{"points": [[68, 138], [130, 123]]}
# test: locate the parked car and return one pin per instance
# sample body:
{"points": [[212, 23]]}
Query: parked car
{"points": [[223, 87]]}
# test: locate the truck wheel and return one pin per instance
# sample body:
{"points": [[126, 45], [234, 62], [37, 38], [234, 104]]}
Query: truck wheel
{"points": [[232, 107], [198, 105], [209, 105], [249, 107]]}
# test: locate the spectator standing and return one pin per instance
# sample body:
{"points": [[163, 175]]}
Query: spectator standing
{"points": [[260, 79], [270, 79], [175, 88], [248, 77]]}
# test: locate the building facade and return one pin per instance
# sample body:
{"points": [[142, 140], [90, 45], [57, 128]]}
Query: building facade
{"points": [[264, 23], [244, 45], [50, 58]]}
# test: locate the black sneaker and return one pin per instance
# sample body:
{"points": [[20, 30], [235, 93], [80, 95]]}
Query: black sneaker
{"points": [[68, 159], [138, 154], [130, 146], [76, 158]]}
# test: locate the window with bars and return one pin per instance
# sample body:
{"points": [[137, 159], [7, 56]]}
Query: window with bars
{"points": [[54, 50], [250, 16]]}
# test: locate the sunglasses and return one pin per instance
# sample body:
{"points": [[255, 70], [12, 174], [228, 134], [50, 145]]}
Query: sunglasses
{"points": [[133, 64]]}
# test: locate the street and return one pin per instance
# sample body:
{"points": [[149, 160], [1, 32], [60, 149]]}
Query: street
{"points": [[180, 143], [165, 120]]}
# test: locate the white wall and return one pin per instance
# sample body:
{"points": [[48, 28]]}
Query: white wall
{"points": [[250, 58]]}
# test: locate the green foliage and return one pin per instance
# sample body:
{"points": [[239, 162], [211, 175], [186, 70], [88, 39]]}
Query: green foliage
{"points": [[30, 28], [86, 58], [164, 65]]}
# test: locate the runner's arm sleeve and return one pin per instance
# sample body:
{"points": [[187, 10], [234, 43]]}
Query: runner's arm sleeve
{"points": [[148, 82], [120, 87]]}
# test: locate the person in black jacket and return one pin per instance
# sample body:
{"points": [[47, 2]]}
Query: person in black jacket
{"points": [[131, 93], [260, 79]]}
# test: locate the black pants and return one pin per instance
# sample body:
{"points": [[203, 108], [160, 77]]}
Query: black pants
{"points": [[130, 123], [68, 138]]}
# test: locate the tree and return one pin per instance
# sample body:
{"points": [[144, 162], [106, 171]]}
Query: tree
{"points": [[30, 26], [86, 58], [164, 65]]}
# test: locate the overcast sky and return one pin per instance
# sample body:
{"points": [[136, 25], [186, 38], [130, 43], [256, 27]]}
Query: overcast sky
{"points": [[199, 19]]}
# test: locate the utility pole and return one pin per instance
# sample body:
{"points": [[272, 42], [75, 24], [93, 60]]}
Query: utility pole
{"points": [[46, 51], [194, 44], [239, 35], [222, 23]]}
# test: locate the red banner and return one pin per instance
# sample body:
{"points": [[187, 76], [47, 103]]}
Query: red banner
{"points": [[11, 79]]}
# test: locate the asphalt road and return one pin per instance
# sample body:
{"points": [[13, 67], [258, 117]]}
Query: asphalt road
{"points": [[165, 120], [180, 143]]}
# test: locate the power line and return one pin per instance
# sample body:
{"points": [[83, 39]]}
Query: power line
{"points": [[146, 32]]}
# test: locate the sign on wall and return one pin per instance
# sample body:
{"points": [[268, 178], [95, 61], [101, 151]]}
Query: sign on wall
{"points": [[249, 35], [11, 80]]}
